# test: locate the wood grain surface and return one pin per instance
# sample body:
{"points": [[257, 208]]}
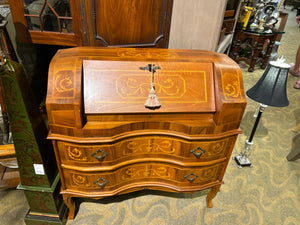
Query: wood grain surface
{"points": [[106, 142]]}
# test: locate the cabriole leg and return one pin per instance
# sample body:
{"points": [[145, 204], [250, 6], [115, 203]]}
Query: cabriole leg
{"points": [[71, 205], [213, 191]]}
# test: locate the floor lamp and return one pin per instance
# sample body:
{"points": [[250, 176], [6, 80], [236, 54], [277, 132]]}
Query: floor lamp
{"points": [[270, 90]]}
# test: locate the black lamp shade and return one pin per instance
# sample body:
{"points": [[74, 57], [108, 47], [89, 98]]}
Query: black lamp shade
{"points": [[271, 87]]}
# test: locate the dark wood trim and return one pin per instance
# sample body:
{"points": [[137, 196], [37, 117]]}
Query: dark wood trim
{"points": [[167, 25], [78, 13], [53, 38], [18, 12], [45, 37]]}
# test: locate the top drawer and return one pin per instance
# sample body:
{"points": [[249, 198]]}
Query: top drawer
{"points": [[154, 147]]}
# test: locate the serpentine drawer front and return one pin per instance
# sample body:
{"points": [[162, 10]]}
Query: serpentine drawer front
{"points": [[123, 120], [141, 147], [165, 175]]}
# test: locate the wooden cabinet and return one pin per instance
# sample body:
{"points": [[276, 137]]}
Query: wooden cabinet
{"points": [[107, 142], [189, 24], [94, 23], [129, 23]]}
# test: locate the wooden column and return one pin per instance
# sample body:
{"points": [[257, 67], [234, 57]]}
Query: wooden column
{"points": [[38, 170]]}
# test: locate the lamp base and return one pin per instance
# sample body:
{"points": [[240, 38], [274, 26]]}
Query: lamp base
{"points": [[242, 161]]}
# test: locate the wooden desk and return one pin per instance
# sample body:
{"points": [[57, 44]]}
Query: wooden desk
{"points": [[107, 142], [251, 48]]}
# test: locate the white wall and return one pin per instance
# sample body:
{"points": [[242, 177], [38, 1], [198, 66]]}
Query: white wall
{"points": [[196, 24]]}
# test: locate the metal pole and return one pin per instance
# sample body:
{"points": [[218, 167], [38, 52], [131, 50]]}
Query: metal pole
{"points": [[255, 126], [242, 159]]}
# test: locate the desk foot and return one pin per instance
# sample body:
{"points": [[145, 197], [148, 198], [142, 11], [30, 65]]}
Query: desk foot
{"points": [[213, 191], [71, 205]]}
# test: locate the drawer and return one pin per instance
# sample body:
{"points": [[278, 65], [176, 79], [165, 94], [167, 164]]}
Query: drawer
{"points": [[141, 175], [143, 147]]}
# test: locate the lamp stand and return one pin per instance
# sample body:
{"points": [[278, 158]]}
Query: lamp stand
{"points": [[242, 159]]}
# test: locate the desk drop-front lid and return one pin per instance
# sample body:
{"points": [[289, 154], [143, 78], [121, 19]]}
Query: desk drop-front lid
{"points": [[95, 93], [113, 87]]}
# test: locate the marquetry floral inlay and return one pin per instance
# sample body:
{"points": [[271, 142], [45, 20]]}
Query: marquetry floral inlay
{"points": [[209, 173], [76, 154], [232, 88], [146, 54], [135, 87], [64, 82], [164, 146], [144, 172], [80, 180], [218, 147]]}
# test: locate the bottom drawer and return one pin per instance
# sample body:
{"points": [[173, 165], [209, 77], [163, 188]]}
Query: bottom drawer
{"points": [[160, 174]]}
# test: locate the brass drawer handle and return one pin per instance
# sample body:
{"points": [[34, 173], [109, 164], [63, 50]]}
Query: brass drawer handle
{"points": [[99, 157], [197, 152], [190, 177], [102, 184]]}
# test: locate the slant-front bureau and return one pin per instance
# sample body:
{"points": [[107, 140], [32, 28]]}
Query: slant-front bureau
{"points": [[108, 140]]}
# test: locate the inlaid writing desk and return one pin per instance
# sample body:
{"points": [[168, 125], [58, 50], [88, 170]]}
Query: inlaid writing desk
{"points": [[107, 142]]}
